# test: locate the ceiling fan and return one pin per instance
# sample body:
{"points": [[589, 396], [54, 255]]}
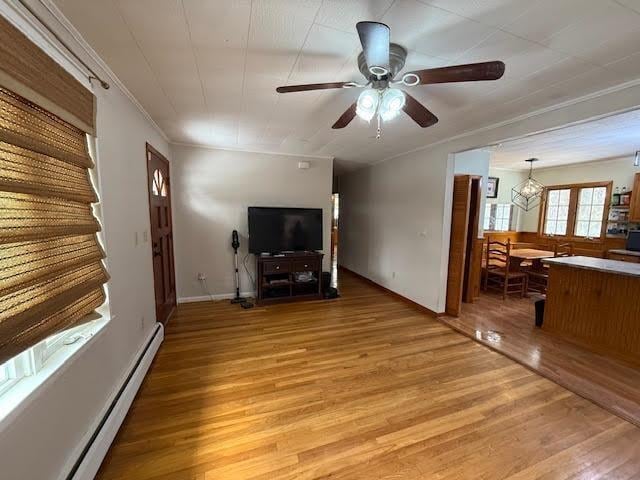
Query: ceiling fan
{"points": [[380, 61]]}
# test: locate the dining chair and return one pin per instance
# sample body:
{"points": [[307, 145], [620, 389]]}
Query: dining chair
{"points": [[563, 249], [497, 272], [538, 279]]}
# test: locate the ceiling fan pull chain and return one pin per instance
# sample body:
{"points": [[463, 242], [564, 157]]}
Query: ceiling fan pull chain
{"points": [[379, 131]]}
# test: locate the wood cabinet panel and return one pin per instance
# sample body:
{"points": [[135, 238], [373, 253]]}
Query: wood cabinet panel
{"points": [[306, 265], [596, 307], [623, 258], [276, 278], [277, 266]]}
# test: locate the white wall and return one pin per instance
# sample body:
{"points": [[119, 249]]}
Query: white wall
{"points": [[211, 192], [475, 162], [619, 170], [391, 224], [508, 180], [43, 440], [386, 207]]}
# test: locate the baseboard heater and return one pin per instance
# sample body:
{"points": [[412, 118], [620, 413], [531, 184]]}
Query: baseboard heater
{"points": [[96, 448]]}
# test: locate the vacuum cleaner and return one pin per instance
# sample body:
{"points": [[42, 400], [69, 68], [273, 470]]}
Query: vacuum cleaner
{"points": [[235, 243]]}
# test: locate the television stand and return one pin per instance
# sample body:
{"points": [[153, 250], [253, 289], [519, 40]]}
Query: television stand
{"points": [[277, 277]]}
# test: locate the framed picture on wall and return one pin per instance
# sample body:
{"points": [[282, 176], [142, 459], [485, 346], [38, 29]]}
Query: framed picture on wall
{"points": [[492, 187]]}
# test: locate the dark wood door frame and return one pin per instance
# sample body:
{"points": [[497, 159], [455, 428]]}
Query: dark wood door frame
{"points": [[161, 221]]}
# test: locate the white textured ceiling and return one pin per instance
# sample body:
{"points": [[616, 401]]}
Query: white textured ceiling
{"points": [[206, 70], [610, 137]]}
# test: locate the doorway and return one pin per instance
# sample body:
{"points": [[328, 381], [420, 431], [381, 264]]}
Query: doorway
{"points": [[159, 187], [335, 216], [463, 279]]}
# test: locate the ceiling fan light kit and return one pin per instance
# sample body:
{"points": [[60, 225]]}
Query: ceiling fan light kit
{"points": [[528, 194], [386, 103], [367, 104], [379, 62]]}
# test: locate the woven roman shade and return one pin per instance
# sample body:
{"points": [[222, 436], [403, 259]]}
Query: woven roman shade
{"points": [[51, 270], [28, 71]]}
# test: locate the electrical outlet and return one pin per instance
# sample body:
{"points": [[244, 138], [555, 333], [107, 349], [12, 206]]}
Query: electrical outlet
{"points": [[142, 322], [145, 236], [201, 276], [135, 238], [393, 274]]}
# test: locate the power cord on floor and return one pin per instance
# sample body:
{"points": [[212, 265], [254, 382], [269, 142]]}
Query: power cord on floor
{"points": [[244, 263]]}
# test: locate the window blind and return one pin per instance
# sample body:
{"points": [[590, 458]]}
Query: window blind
{"points": [[28, 71], [51, 269]]}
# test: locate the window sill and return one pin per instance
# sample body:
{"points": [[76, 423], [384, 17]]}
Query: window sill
{"points": [[27, 389], [560, 238]]}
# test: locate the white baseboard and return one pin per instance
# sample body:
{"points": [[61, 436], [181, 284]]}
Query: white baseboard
{"points": [[220, 296], [99, 443]]}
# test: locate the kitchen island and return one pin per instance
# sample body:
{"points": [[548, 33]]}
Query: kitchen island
{"points": [[596, 301]]}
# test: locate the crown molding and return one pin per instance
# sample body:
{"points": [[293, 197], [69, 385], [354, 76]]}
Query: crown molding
{"points": [[20, 18], [64, 22], [247, 150]]}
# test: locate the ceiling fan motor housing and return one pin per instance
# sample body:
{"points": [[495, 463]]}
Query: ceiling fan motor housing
{"points": [[397, 57]]}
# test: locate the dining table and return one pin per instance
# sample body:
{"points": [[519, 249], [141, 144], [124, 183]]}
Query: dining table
{"points": [[533, 255]]}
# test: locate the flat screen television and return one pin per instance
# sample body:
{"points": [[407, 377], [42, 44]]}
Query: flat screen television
{"points": [[275, 230]]}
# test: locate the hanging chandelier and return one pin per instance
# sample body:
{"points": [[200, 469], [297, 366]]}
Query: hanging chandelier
{"points": [[527, 195]]}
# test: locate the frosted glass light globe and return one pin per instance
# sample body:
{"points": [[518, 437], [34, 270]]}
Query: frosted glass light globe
{"points": [[367, 104], [393, 101]]}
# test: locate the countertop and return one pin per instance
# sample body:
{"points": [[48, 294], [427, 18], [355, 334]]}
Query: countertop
{"points": [[598, 264], [621, 251]]}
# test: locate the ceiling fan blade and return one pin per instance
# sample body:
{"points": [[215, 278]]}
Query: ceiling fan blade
{"points": [[418, 112], [345, 118], [472, 72], [374, 37], [312, 86]]}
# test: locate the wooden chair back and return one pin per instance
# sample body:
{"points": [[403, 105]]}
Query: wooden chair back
{"points": [[563, 249], [498, 255]]}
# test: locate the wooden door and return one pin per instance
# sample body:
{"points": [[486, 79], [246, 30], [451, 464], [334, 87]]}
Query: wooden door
{"points": [[473, 262], [458, 243], [159, 186]]}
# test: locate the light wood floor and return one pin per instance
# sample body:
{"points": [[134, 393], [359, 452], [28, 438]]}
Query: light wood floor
{"points": [[363, 387], [508, 327]]}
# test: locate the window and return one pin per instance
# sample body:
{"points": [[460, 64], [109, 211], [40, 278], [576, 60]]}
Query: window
{"points": [[557, 213], [52, 273], [33, 360], [575, 211], [591, 203], [5, 377], [159, 186], [498, 217]]}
